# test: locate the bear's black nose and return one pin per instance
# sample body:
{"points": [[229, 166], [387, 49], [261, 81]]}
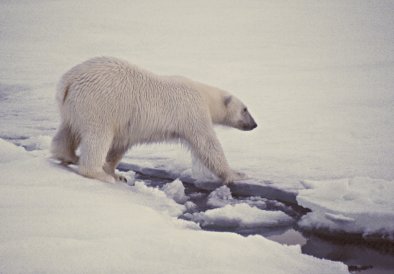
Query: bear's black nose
{"points": [[249, 126]]}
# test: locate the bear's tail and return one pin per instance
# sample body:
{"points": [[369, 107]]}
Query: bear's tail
{"points": [[62, 91]]}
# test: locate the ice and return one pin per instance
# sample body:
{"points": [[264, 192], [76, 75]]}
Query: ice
{"points": [[240, 216], [338, 218], [220, 197], [190, 206], [317, 77], [360, 205], [56, 221], [176, 191]]}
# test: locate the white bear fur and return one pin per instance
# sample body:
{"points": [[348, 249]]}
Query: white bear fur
{"points": [[108, 105]]}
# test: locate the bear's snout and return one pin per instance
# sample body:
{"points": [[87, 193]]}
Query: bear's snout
{"points": [[254, 125], [249, 126], [247, 122]]}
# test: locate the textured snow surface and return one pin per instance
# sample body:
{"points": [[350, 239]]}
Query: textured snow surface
{"points": [[316, 75], [9, 152], [359, 205], [55, 221], [176, 191], [241, 216], [222, 196]]}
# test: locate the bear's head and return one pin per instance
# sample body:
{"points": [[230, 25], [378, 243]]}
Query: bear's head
{"points": [[237, 114]]}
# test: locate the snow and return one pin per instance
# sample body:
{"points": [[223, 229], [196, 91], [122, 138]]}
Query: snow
{"points": [[222, 196], [176, 191], [36, 142], [359, 205], [55, 221], [10, 152], [240, 216], [316, 76], [169, 206]]}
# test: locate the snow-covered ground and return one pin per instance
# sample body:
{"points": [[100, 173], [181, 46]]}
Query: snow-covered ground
{"points": [[55, 221], [316, 75], [357, 206]]}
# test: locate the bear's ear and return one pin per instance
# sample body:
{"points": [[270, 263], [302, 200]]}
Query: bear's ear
{"points": [[227, 100]]}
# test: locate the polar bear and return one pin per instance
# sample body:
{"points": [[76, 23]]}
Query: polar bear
{"points": [[108, 105]]}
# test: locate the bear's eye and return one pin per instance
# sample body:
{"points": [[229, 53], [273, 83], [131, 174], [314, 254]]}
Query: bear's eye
{"points": [[245, 110]]}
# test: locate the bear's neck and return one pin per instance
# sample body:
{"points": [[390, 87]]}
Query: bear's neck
{"points": [[212, 96], [214, 100]]}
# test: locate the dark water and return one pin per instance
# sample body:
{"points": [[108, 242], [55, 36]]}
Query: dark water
{"points": [[360, 256]]}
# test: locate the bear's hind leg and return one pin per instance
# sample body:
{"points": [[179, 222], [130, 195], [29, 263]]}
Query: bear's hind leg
{"points": [[114, 156], [64, 145], [94, 148]]}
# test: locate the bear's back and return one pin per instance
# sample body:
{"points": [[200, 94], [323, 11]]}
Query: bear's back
{"points": [[110, 89]]}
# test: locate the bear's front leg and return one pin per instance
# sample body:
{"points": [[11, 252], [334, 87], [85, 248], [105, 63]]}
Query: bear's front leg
{"points": [[235, 176], [207, 148]]}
